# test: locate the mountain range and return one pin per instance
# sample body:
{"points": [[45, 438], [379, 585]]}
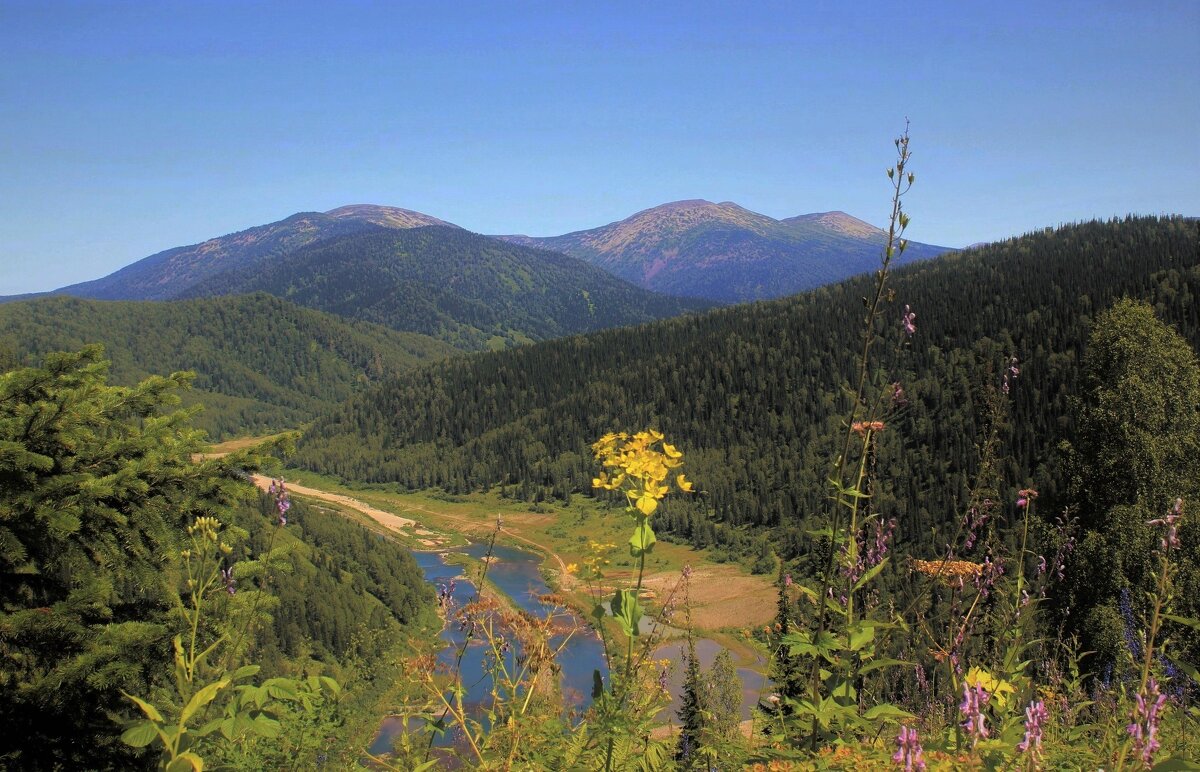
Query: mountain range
{"points": [[727, 253], [718, 252]]}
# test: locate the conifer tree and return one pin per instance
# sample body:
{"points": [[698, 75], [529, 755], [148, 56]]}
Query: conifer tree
{"points": [[96, 482]]}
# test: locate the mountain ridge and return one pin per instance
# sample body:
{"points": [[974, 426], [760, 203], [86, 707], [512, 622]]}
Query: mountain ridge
{"points": [[727, 253]]}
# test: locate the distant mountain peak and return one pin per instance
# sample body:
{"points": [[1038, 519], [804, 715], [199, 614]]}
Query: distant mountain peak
{"points": [[387, 216], [725, 252], [839, 222]]}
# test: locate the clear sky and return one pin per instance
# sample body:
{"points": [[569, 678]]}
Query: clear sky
{"points": [[128, 128]]}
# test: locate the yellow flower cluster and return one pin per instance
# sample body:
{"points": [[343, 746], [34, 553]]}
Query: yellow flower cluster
{"points": [[998, 688], [638, 466], [595, 562]]}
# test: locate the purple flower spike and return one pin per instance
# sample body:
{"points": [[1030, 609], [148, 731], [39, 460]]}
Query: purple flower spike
{"points": [[974, 698], [909, 753], [227, 578], [1036, 716], [1144, 729]]}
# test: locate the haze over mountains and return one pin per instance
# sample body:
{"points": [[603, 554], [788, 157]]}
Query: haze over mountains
{"points": [[727, 253]]}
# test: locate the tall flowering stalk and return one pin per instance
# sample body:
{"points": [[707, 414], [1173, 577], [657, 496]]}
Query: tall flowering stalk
{"points": [[645, 467], [1149, 701]]}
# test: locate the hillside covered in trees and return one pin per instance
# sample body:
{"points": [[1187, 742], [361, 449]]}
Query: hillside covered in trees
{"points": [[468, 290], [261, 363], [751, 392]]}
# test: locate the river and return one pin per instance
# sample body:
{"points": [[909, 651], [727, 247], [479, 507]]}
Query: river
{"points": [[517, 574]]}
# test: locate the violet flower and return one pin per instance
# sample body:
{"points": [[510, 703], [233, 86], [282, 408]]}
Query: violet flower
{"points": [[1036, 716], [906, 321], [909, 753], [1144, 729], [227, 578], [974, 721]]}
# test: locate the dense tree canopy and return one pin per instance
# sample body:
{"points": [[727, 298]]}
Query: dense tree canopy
{"points": [[752, 393]]}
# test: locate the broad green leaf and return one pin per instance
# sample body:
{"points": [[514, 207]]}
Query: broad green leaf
{"points": [[871, 573], [140, 734], [643, 538], [331, 684], [885, 711], [245, 671], [281, 688], [627, 611], [202, 698], [186, 762], [150, 711], [265, 726], [861, 636]]}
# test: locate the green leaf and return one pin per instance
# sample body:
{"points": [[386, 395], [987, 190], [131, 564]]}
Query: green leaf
{"points": [[245, 671], [598, 612], [1173, 764], [1189, 621], [627, 611], [861, 636], [150, 711], [876, 664], [885, 711], [1187, 668], [643, 538], [331, 684], [202, 698], [265, 726], [871, 573], [186, 762], [281, 688], [597, 685], [140, 734]]}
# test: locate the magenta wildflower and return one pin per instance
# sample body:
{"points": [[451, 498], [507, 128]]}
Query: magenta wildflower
{"points": [[1036, 716], [787, 580], [974, 722], [1170, 540], [899, 398], [909, 753], [906, 321], [1144, 729], [227, 578]]}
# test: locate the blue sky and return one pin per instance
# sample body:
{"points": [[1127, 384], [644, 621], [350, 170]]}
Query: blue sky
{"points": [[128, 128]]}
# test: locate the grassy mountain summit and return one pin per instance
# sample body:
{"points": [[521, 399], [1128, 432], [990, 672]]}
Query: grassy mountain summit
{"points": [[727, 253], [261, 363], [469, 290], [169, 273]]}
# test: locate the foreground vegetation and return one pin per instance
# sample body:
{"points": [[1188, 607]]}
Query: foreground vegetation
{"points": [[948, 592]]}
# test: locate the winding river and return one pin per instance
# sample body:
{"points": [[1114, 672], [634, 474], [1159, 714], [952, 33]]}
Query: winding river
{"points": [[516, 573]]}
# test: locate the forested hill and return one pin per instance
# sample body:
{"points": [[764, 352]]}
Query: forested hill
{"points": [[750, 393], [261, 363], [167, 274], [471, 291]]}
